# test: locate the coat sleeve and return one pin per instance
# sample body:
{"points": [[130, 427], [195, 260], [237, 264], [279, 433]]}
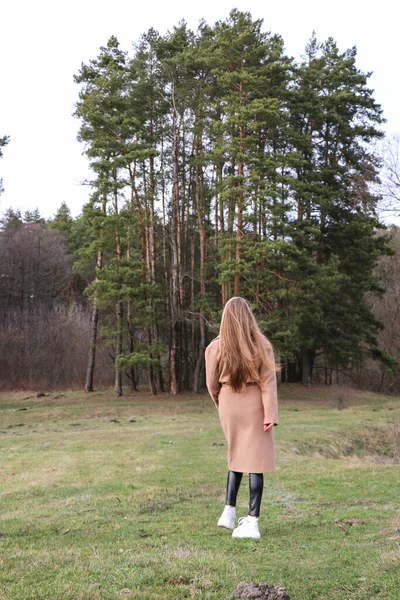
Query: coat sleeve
{"points": [[212, 373], [269, 392]]}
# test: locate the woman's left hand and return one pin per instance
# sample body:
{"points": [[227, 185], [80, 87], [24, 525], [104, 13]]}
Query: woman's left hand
{"points": [[268, 426]]}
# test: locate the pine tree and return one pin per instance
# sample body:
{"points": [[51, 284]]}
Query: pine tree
{"points": [[33, 216], [112, 127], [3, 142], [252, 74], [334, 117], [102, 108]]}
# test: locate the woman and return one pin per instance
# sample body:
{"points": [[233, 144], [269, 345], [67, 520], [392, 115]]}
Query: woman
{"points": [[241, 379]]}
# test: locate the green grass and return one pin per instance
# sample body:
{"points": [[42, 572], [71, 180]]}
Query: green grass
{"points": [[92, 509]]}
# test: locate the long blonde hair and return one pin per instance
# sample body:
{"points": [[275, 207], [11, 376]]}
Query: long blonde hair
{"points": [[243, 345]]}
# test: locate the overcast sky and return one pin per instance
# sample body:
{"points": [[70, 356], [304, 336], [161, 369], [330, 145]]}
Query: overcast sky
{"points": [[43, 43]]}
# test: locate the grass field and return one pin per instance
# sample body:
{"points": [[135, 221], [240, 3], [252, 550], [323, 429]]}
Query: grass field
{"points": [[104, 498]]}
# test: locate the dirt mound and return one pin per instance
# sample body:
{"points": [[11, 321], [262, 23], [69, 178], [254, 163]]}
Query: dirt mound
{"points": [[249, 590]]}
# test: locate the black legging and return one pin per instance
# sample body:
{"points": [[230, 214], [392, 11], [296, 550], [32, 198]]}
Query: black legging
{"points": [[256, 484]]}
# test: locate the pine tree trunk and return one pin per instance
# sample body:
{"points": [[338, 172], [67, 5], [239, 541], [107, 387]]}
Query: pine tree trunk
{"points": [[200, 217], [95, 322], [132, 374], [239, 230], [92, 350], [135, 198], [158, 370], [216, 211], [203, 335], [119, 307], [130, 325], [307, 363], [230, 236], [118, 351], [224, 294], [174, 257], [150, 370], [152, 331], [193, 295], [167, 286], [183, 354], [185, 358]]}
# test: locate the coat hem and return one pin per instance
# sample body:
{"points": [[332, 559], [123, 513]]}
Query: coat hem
{"points": [[242, 470]]}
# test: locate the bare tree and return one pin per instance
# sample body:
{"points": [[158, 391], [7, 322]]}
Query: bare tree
{"points": [[35, 266], [390, 175]]}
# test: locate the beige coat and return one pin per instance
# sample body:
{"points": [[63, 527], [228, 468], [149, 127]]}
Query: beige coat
{"points": [[242, 415]]}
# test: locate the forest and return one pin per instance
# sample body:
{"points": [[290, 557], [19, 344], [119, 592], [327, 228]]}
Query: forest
{"points": [[220, 167]]}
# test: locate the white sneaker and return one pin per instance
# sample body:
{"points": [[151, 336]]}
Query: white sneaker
{"points": [[228, 517], [247, 528]]}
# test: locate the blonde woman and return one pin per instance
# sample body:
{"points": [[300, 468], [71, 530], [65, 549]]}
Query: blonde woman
{"points": [[241, 380]]}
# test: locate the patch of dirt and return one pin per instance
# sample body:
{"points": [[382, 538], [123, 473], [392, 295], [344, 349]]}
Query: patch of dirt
{"points": [[346, 524], [351, 522], [248, 590], [391, 534]]}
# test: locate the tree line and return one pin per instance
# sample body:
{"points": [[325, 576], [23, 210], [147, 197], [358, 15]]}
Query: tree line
{"points": [[223, 167]]}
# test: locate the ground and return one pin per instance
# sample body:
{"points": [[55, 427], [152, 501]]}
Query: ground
{"points": [[104, 498]]}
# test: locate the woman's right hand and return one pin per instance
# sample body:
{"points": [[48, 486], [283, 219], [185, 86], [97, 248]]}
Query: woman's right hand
{"points": [[268, 426]]}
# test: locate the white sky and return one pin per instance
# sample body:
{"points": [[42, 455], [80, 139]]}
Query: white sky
{"points": [[43, 43]]}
